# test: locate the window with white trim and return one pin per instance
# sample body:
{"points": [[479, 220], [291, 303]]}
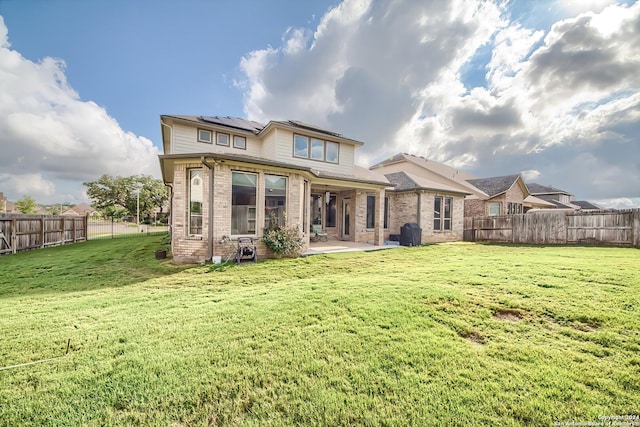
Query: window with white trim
{"points": [[315, 149], [222, 139], [195, 201], [239, 142], [442, 211], [205, 136], [495, 208]]}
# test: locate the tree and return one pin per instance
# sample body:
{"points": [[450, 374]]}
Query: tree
{"points": [[26, 205], [113, 195]]}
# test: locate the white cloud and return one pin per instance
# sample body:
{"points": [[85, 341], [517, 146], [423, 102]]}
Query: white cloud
{"points": [[51, 141], [562, 102]]}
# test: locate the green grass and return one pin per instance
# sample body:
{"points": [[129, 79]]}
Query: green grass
{"points": [[451, 334]]}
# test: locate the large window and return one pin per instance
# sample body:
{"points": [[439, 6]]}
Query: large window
{"points": [[195, 201], [275, 200], [495, 208], [243, 203], [442, 209], [315, 149], [371, 211]]}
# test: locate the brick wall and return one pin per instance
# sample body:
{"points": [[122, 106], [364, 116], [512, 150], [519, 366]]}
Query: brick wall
{"points": [[474, 208]]}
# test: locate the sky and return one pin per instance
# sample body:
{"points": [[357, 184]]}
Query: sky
{"points": [[546, 88]]}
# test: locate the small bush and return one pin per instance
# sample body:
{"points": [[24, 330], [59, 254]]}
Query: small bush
{"points": [[283, 241]]}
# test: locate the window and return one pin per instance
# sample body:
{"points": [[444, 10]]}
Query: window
{"points": [[514, 208], [275, 200], [332, 149], [222, 139], [447, 213], [386, 212], [371, 211], [204, 136], [243, 203], [331, 211], [300, 146], [442, 208], [495, 208], [317, 149], [239, 142], [437, 213], [195, 201]]}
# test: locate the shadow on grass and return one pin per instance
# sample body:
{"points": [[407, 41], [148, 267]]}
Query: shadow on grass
{"points": [[85, 266]]}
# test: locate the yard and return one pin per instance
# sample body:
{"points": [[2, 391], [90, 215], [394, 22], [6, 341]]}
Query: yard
{"points": [[451, 334]]}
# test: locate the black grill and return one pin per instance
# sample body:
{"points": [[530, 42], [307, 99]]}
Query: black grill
{"points": [[410, 234]]}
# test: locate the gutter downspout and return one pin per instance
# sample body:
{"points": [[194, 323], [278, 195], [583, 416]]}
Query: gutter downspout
{"points": [[170, 218], [210, 220], [418, 216]]}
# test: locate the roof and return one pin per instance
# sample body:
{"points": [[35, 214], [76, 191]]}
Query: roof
{"points": [[235, 122], [537, 189], [257, 128], [432, 165], [359, 177], [536, 201], [404, 181], [495, 185], [584, 204]]}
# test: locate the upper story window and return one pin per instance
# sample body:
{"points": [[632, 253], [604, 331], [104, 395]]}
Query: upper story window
{"points": [[315, 149], [222, 139], [239, 142], [205, 136]]}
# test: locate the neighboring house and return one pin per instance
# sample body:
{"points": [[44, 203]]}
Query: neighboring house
{"points": [[3, 203], [468, 195], [501, 195], [81, 210], [434, 203], [232, 177], [559, 198], [586, 205]]}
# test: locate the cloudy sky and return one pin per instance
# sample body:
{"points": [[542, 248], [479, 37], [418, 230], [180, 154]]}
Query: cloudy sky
{"points": [[550, 89]]}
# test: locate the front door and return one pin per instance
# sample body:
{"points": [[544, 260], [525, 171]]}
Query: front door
{"points": [[346, 213]]}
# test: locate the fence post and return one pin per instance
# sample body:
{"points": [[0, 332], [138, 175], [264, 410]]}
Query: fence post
{"points": [[42, 232], [14, 239], [635, 228]]}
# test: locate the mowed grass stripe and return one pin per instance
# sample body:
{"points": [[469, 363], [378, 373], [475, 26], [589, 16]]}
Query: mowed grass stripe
{"points": [[458, 334]]}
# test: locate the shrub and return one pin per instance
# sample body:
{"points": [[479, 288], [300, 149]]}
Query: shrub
{"points": [[283, 241]]}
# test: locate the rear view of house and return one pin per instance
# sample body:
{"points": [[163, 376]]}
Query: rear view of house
{"points": [[231, 177]]}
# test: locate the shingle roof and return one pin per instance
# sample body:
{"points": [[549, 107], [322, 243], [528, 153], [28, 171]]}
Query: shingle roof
{"points": [[585, 204], [404, 181], [544, 189], [437, 167], [495, 185], [234, 122]]}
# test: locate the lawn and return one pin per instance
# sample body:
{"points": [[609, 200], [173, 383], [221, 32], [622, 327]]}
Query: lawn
{"points": [[450, 334]]}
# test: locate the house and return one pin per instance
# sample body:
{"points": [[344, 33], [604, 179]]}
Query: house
{"points": [[231, 177], [442, 185], [3, 203], [81, 210], [560, 199], [423, 196]]}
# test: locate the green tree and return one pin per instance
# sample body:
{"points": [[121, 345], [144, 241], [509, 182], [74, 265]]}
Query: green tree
{"points": [[118, 195], [26, 205]]}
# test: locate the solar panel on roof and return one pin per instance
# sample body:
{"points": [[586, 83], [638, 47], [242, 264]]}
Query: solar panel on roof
{"points": [[234, 122], [312, 127]]}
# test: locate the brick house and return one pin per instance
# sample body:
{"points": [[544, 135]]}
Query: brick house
{"points": [[444, 195], [231, 177]]}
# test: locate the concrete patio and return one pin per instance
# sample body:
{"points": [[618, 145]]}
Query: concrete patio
{"points": [[334, 246]]}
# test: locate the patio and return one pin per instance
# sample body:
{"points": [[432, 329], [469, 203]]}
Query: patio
{"points": [[334, 246]]}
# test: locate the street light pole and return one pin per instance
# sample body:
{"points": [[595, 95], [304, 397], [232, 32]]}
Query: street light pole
{"points": [[138, 210]]}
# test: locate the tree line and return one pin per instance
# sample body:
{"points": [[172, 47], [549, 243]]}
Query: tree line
{"points": [[117, 197]]}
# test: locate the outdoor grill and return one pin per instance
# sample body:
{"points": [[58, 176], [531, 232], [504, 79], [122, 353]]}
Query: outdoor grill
{"points": [[410, 234]]}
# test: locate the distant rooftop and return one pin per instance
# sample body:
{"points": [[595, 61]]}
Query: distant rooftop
{"points": [[494, 186], [544, 189]]}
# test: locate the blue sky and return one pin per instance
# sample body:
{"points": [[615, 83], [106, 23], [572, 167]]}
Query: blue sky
{"points": [[549, 89]]}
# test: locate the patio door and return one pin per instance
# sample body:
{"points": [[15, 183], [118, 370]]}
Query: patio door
{"points": [[346, 215]]}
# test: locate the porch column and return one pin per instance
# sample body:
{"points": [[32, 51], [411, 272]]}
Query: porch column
{"points": [[378, 235]]}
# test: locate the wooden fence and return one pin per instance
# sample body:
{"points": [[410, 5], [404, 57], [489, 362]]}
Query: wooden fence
{"points": [[620, 228], [25, 232]]}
